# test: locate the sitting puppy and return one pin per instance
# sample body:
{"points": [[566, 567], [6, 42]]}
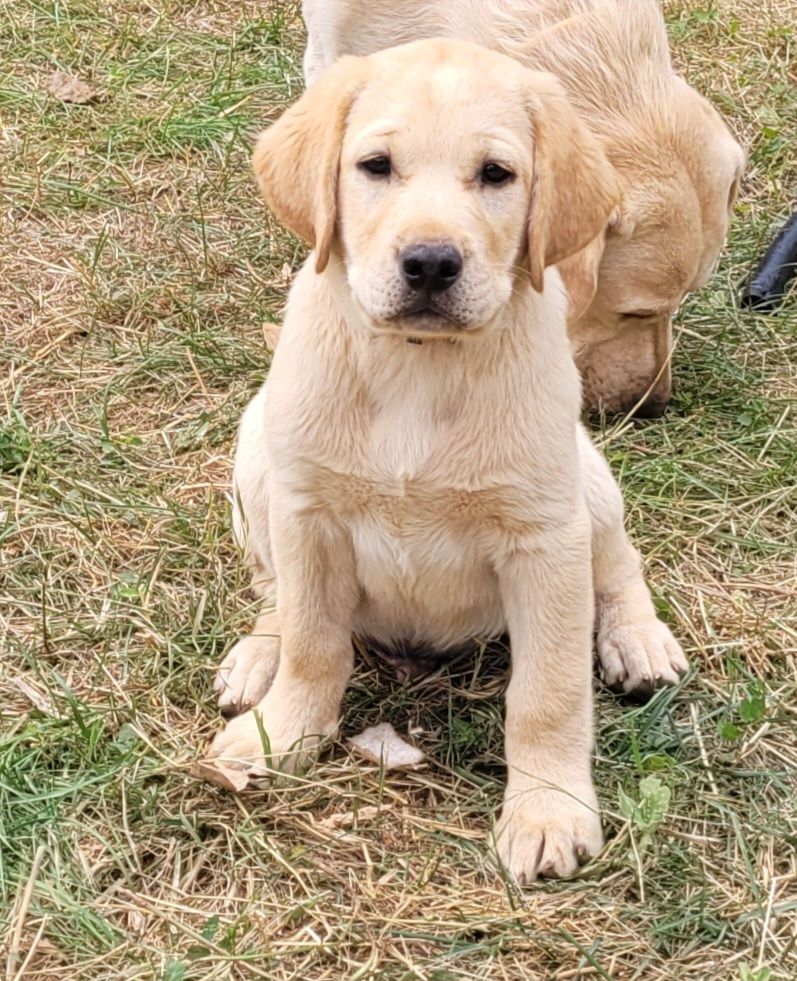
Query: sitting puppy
{"points": [[676, 163], [413, 472]]}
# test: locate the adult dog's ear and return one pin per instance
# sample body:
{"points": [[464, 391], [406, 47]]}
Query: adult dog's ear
{"points": [[297, 159], [574, 187], [579, 273]]}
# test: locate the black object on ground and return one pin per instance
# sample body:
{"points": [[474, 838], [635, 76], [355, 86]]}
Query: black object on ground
{"points": [[767, 285]]}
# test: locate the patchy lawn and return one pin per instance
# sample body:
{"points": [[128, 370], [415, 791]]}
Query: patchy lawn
{"points": [[137, 270]]}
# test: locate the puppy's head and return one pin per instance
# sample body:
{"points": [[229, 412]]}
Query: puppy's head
{"points": [[443, 174]]}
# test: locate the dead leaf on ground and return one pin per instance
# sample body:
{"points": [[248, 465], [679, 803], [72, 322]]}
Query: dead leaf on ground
{"points": [[224, 776], [382, 744], [271, 333], [36, 697], [347, 818], [68, 88]]}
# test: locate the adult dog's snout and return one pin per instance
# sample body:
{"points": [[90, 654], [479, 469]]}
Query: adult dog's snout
{"points": [[430, 268]]}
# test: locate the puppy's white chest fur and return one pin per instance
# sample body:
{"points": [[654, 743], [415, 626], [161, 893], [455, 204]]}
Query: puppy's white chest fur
{"points": [[404, 434], [422, 553], [429, 505], [423, 580]]}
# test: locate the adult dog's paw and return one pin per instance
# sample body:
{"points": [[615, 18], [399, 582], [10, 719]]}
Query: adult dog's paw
{"points": [[548, 834], [638, 658], [246, 673]]}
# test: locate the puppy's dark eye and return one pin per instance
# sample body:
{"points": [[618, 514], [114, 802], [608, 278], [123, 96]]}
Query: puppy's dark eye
{"points": [[376, 166], [493, 173]]}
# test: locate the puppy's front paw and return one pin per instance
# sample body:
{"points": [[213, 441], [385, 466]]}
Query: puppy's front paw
{"points": [[638, 658], [548, 834], [271, 737], [246, 673]]}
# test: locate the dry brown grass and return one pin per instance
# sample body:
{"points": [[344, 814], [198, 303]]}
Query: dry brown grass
{"points": [[137, 270]]}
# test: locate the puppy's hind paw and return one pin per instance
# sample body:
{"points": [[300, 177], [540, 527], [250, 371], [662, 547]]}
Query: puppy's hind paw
{"points": [[246, 673], [639, 658]]}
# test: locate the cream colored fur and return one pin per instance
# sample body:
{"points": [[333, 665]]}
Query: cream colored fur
{"points": [[678, 166], [441, 491]]}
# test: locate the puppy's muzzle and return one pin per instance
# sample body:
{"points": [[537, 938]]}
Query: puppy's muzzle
{"points": [[430, 268]]}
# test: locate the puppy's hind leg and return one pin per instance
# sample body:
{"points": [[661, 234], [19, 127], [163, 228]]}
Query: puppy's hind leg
{"points": [[246, 673], [638, 653]]}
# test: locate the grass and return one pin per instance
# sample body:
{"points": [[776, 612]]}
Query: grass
{"points": [[137, 271]]}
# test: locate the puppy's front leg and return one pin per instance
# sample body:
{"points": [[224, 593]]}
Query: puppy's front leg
{"points": [[549, 823], [316, 597]]}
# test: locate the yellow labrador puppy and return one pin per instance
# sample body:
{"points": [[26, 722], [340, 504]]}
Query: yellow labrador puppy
{"points": [[414, 472], [676, 163]]}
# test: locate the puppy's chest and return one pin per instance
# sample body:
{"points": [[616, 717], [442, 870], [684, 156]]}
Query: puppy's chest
{"points": [[413, 507], [413, 532], [410, 531], [418, 481], [406, 441], [419, 466]]}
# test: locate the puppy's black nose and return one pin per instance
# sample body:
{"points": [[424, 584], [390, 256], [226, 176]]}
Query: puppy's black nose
{"points": [[430, 268]]}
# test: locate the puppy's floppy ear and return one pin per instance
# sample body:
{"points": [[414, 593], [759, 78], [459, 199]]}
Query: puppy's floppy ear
{"points": [[297, 159], [574, 187]]}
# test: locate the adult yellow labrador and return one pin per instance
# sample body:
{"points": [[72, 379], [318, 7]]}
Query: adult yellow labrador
{"points": [[676, 164], [429, 493]]}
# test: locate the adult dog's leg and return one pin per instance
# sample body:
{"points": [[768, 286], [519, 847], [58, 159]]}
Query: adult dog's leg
{"points": [[549, 822], [317, 596], [637, 652]]}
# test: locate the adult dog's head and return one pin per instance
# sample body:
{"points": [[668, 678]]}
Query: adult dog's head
{"points": [[442, 174], [679, 170], [679, 174]]}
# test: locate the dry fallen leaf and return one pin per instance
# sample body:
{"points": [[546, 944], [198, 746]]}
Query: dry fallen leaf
{"points": [[136, 921], [67, 88], [42, 702], [347, 818], [382, 744], [224, 776], [271, 334]]}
